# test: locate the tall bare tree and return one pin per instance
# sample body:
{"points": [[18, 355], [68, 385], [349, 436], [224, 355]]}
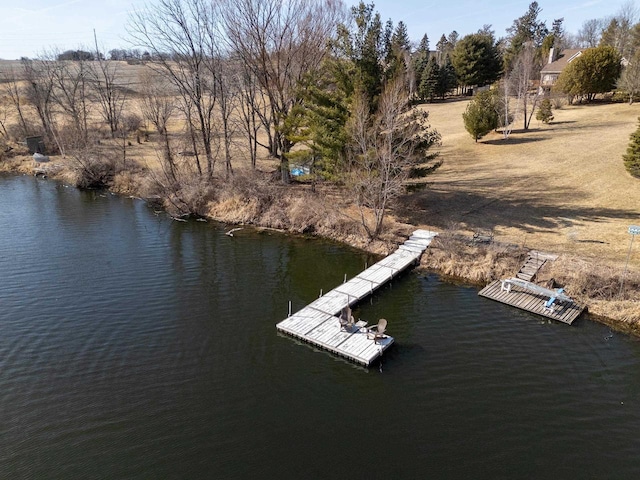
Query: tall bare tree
{"points": [[254, 111], [111, 96], [589, 34], [630, 79], [71, 95], [11, 88], [385, 146], [183, 38], [278, 42], [38, 75], [526, 67], [158, 105]]}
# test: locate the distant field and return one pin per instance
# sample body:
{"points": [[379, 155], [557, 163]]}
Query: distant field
{"points": [[560, 187], [128, 75]]}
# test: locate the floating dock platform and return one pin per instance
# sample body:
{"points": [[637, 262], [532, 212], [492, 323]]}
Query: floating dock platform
{"points": [[532, 301], [318, 324]]}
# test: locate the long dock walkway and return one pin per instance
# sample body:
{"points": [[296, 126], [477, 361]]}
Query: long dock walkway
{"points": [[318, 325]]}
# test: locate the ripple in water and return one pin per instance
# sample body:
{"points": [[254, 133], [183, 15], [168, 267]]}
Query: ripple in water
{"points": [[132, 346]]}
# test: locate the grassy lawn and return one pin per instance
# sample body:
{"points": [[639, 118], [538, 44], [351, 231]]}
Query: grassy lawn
{"points": [[560, 187]]}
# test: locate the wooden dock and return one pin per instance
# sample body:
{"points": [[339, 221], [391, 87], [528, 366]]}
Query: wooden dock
{"points": [[565, 312], [318, 324]]}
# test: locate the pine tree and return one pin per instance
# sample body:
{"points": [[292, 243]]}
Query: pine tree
{"points": [[544, 111], [399, 48], [632, 158], [446, 78], [481, 115], [429, 82], [421, 60]]}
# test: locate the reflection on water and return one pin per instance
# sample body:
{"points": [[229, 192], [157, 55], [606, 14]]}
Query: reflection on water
{"points": [[132, 346]]}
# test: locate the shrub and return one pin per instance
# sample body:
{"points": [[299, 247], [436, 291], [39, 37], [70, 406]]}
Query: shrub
{"points": [[544, 111], [632, 157], [481, 115]]}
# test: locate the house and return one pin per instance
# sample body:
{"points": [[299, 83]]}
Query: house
{"points": [[556, 64]]}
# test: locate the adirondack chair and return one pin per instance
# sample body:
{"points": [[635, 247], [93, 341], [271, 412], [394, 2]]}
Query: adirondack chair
{"points": [[377, 331], [346, 319]]}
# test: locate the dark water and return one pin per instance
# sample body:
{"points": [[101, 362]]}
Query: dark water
{"points": [[132, 346]]}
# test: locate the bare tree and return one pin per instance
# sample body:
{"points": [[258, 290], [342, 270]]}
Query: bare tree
{"points": [[525, 69], [630, 79], [70, 93], [254, 111], [3, 121], [39, 90], [228, 100], [158, 105], [182, 37], [507, 111], [589, 35], [278, 42], [111, 96], [39, 79], [384, 148], [9, 81]]}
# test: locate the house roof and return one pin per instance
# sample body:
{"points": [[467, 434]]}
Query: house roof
{"points": [[562, 61]]}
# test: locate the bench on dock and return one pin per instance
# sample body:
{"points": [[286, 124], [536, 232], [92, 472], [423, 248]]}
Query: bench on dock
{"points": [[553, 294], [550, 303]]}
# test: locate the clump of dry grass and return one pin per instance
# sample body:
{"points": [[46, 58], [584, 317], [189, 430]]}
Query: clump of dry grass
{"points": [[131, 182], [456, 256], [599, 287], [591, 281]]}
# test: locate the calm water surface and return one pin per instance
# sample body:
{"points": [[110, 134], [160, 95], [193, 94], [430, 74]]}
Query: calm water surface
{"points": [[132, 346]]}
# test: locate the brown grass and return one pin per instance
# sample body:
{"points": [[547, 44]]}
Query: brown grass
{"points": [[456, 256], [560, 187]]}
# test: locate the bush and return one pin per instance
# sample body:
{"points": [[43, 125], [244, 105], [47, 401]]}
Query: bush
{"points": [[544, 111], [92, 172], [481, 115], [632, 158]]}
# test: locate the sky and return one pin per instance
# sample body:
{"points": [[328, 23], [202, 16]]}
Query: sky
{"points": [[29, 27]]}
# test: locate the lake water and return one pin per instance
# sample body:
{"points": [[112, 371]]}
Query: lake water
{"points": [[133, 346]]}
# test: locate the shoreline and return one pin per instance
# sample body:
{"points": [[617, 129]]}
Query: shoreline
{"points": [[452, 255]]}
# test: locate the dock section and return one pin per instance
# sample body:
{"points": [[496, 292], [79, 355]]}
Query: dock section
{"points": [[318, 324], [535, 300]]}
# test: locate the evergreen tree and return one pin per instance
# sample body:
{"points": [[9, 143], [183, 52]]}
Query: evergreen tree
{"points": [[481, 115], [421, 60], [319, 120], [446, 78], [526, 28], [452, 39], [443, 47], [429, 83], [595, 71], [544, 113], [476, 60], [367, 47], [399, 50], [632, 158]]}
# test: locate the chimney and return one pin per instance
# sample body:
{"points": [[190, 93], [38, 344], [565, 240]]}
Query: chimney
{"points": [[551, 55]]}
